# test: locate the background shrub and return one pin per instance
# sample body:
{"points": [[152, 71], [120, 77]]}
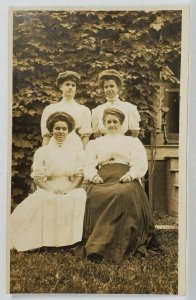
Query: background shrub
{"points": [[144, 46]]}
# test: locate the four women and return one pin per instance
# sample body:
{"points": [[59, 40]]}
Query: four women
{"points": [[117, 218]]}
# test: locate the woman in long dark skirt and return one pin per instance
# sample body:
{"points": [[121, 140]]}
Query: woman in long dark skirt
{"points": [[118, 219]]}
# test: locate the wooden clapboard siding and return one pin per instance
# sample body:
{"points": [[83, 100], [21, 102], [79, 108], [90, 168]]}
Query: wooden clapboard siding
{"points": [[163, 151], [172, 185]]}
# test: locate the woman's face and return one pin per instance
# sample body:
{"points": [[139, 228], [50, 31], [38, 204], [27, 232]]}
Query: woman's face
{"points": [[60, 131], [68, 89], [112, 124], [110, 89]]}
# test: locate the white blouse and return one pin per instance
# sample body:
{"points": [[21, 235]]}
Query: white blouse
{"points": [[80, 113], [115, 149], [132, 117], [55, 160]]}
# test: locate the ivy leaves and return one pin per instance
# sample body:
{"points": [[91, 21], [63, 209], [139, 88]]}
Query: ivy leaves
{"points": [[144, 46]]}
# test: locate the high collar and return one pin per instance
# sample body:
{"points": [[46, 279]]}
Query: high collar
{"points": [[116, 99], [65, 100], [113, 136], [54, 143]]}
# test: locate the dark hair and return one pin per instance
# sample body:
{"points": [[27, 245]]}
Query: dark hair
{"points": [[68, 75], [114, 111], [110, 77], [60, 116], [110, 74], [72, 78]]}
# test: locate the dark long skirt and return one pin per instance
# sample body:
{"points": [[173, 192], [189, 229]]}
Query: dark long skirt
{"points": [[118, 218]]}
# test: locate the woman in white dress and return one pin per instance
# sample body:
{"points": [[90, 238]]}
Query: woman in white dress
{"points": [[111, 81], [118, 219], [53, 215], [67, 82]]}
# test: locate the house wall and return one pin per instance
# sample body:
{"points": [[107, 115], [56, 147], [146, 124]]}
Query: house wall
{"points": [[162, 185]]}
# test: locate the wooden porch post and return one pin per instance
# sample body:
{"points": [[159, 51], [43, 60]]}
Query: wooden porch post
{"points": [[151, 170]]}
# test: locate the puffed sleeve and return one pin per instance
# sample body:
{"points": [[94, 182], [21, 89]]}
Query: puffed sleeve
{"points": [[45, 115], [133, 118], [85, 128], [139, 162], [90, 160], [38, 167]]}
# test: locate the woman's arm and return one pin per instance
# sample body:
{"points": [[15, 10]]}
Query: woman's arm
{"points": [[135, 133], [133, 120], [85, 129], [90, 161], [44, 185], [139, 162], [46, 139], [85, 140], [75, 184]]}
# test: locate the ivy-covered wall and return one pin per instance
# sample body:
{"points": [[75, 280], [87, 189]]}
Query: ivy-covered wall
{"points": [[144, 46]]}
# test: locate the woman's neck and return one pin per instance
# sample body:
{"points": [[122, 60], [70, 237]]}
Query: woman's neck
{"points": [[113, 134], [65, 99], [58, 143], [112, 99]]}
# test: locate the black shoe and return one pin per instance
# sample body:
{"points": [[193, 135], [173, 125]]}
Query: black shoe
{"points": [[95, 257]]}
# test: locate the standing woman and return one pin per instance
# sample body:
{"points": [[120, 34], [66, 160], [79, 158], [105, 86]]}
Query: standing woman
{"points": [[118, 220], [67, 82], [111, 81], [53, 215]]}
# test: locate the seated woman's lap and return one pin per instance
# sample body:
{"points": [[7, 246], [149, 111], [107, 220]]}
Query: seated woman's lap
{"points": [[111, 202], [112, 172]]}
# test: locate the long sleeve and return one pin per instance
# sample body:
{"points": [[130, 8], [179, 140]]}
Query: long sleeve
{"points": [[133, 118], [95, 120], [90, 161], [45, 115], [85, 128], [139, 162]]}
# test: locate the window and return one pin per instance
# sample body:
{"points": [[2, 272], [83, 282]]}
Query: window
{"points": [[172, 101]]}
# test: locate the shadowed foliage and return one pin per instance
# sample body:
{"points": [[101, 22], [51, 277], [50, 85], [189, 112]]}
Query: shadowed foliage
{"points": [[143, 45]]}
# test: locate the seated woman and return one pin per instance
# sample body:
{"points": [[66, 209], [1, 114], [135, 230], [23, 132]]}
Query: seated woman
{"points": [[53, 215], [118, 220]]}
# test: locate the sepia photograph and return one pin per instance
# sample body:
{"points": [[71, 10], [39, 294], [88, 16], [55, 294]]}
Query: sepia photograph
{"points": [[98, 123]]}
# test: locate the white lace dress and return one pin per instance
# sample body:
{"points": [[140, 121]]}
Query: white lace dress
{"points": [[45, 218]]}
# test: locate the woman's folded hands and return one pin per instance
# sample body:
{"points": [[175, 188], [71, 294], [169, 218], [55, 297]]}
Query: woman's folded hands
{"points": [[97, 179], [125, 178]]}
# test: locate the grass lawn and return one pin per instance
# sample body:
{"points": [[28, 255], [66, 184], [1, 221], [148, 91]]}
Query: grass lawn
{"points": [[57, 271]]}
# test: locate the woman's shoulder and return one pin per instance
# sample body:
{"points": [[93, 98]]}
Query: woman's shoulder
{"points": [[135, 142], [97, 141], [51, 107], [42, 148], [100, 107], [129, 105], [41, 151], [82, 107]]}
